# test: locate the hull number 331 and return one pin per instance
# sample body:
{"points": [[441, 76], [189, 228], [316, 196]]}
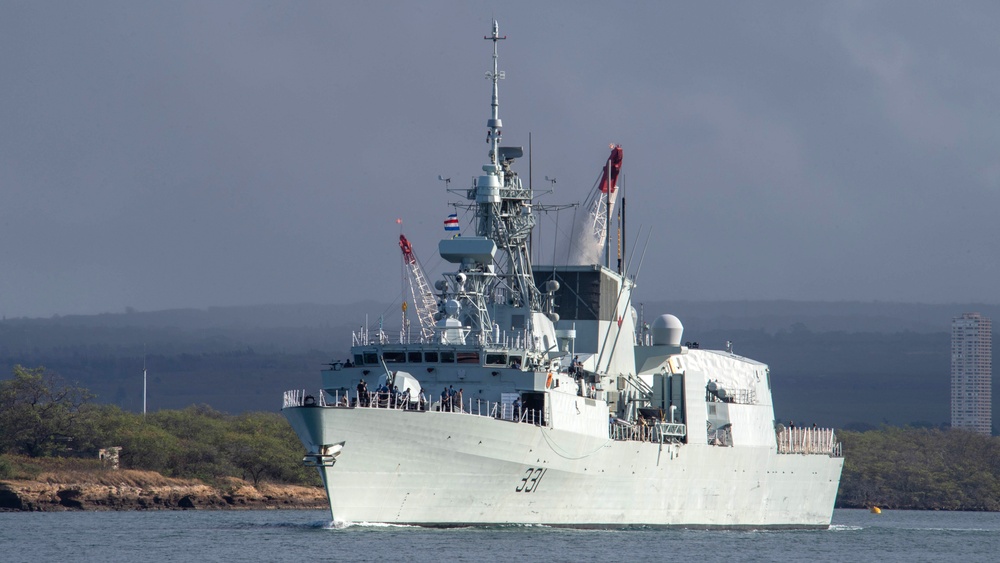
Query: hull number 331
{"points": [[532, 478]]}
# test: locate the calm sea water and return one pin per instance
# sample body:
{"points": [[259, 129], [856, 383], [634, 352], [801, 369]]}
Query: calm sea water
{"points": [[287, 535]]}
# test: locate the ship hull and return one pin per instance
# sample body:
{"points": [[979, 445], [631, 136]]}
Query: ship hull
{"points": [[452, 469]]}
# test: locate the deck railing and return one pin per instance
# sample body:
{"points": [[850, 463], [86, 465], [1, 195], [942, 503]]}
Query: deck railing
{"points": [[813, 441], [388, 401], [632, 432], [808, 441], [653, 432], [299, 398], [513, 340]]}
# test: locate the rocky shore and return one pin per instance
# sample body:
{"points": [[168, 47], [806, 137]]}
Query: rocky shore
{"points": [[145, 490]]}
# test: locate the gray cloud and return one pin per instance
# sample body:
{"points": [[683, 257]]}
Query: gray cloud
{"points": [[190, 154]]}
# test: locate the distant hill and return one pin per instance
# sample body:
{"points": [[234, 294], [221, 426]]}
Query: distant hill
{"points": [[241, 317], [843, 364], [774, 315], [818, 316]]}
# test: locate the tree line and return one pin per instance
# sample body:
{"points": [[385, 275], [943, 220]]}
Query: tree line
{"points": [[42, 415], [920, 468]]}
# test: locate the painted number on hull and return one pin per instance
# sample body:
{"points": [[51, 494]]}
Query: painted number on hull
{"points": [[532, 478]]}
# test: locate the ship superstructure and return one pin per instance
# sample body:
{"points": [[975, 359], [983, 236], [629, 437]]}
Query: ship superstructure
{"points": [[534, 400]]}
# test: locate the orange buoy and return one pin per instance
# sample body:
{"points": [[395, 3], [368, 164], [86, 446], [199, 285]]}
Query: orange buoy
{"points": [[876, 510]]}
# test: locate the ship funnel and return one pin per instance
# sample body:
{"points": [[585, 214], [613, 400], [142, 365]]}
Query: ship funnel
{"points": [[667, 331]]}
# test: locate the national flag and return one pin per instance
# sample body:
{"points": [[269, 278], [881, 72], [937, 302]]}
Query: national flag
{"points": [[451, 223]]}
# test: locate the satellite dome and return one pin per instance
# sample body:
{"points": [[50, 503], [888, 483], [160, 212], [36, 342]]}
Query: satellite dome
{"points": [[667, 331]]}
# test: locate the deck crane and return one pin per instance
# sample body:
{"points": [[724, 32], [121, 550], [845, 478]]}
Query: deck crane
{"points": [[603, 204], [594, 227], [424, 301]]}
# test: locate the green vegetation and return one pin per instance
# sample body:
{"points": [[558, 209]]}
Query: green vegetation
{"points": [[38, 414], [918, 468], [26, 468], [42, 416], [46, 423]]}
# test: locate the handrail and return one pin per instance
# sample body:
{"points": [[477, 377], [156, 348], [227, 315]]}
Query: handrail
{"points": [[819, 441], [657, 432], [807, 441], [519, 340], [386, 401], [299, 398], [735, 396]]}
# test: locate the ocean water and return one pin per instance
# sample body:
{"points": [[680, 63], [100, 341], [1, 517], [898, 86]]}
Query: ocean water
{"points": [[292, 535]]}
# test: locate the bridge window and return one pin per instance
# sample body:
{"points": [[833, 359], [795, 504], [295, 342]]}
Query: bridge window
{"points": [[468, 357], [431, 357], [447, 357], [496, 359], [394, 357], [413, 357], [371, 358]]}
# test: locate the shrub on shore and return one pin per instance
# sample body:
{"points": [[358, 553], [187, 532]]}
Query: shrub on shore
{"points": [[47, 424]]}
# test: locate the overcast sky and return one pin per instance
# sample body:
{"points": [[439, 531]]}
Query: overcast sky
{"points": [[170, 154]]}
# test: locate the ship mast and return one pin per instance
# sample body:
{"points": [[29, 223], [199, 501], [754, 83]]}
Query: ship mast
{"points": [[494, 124], [503, 205], [494, 275]]}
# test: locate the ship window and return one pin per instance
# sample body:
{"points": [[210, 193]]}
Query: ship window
{"points": [[496, 359], [371, 358], [359, 359], [447, 357], [394, 357], [468, 357], [515, 361], [431, 357], [413, 357]]}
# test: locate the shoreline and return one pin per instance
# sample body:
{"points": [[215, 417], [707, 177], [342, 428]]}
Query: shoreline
{"points": [[143, 490]]}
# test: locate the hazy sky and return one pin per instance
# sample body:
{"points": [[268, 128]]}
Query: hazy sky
{"points": [[172, 154]]}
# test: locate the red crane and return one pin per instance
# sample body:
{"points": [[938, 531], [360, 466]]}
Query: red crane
{"points": [[423, 299]]}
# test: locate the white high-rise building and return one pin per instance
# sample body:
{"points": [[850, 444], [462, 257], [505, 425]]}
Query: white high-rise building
{"points": [[972, 373]]}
